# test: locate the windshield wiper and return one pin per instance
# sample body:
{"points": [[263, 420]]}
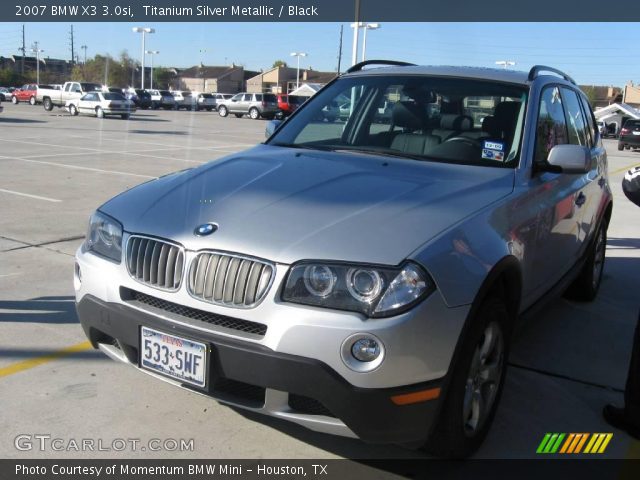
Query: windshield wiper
{"points": [[384, 153], [304, 146]]}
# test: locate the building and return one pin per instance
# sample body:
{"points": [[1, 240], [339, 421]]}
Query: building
{"points": [[52, 70], [222, 79], [601, 96], [615, 115], [271, 81], [631, 95], [310, 82]]}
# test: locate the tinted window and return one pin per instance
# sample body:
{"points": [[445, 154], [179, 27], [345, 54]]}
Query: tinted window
{"points": [[552, 127], [206, 95], [296, 99], [257, 99], [91, 97], [632, 124], [113, 96], [165, 93], [270, 97], [591, 121], [576, 123], [90, 87]]}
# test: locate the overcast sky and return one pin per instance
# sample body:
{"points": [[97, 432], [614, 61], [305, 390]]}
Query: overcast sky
{"points": [[591, 53]]}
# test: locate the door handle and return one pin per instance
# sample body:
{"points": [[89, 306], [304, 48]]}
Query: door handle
{"points": [[580, 199]]}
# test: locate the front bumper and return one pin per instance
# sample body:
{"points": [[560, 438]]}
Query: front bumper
{"points": [[251, 376]]}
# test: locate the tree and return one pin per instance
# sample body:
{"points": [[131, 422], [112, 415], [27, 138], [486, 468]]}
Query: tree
{"points": [[162, 77], [592, 95], [120, 72], [279, 63]]}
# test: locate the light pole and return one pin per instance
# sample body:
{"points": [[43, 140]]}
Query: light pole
{"points": [[505, 63], [152, 53], [143, 30], [84, 47], [356, 32], [298, 54], [367, 26], [37, 51]]}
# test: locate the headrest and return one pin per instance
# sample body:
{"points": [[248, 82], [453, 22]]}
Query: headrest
{"points": [[506, 116], [452, 121], [409, 115], [490, 125]]}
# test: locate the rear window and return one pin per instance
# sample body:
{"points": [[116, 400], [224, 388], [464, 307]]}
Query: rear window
{"points": [[270, 97], [632, 124], [296, 100], [166, 93], [206, 95], [113, 96]]}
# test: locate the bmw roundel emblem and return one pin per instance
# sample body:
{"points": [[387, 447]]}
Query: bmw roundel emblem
{"points": [[205, 229]]}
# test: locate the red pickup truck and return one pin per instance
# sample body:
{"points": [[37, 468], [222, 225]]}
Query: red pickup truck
{"points": [[26, 93]]}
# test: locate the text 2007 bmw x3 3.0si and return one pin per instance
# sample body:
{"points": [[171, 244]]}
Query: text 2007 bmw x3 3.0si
{"points": [[361, 271]]}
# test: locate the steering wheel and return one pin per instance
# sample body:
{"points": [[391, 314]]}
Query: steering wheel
{"points": [[470, 141]]}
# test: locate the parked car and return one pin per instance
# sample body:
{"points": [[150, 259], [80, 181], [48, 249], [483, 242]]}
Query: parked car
{"points": [[143, 99], [221, 98], [287, 104], [205, 101], [162, 99], [602, 128], [52, 97], [629, 137], [26, 93], [357, 280], [5, 94], [1, 107], [256, 105], [102, 104]]}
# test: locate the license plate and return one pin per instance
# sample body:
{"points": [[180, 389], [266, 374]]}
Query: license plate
{"points": [[175, 357], [636, 133]]}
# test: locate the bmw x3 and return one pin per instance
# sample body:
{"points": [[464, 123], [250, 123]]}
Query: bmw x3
{"points": [[361, 276]]}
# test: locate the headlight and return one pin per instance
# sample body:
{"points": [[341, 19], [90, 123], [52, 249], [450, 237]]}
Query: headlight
{"points": [[104, 237], [373, 291]]}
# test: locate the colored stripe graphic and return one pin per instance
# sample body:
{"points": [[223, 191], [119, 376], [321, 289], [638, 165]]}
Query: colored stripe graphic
{"points": [[574, 443]]}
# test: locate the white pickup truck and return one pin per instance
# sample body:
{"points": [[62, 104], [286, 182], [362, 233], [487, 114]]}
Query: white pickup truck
{"points": [[70, 91]]}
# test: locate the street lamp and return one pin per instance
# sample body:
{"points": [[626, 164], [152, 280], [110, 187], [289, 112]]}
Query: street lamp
{"points": [[84, 47], [367, 26], [298, 54], [505, 63], [143, 30], [152, 53], [37, 51]]}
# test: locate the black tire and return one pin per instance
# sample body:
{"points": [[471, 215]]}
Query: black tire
{"points": [[47, 104], [238, 115], [222, 111], [32, 101], [620, 146], [254, 114], [586, 286], [455, 435], [209, 109], [14, 100], [125, 116], [73, 110]]}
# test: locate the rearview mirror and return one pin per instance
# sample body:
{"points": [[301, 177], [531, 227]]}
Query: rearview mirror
{"points": [[272, 126], [570, 158]]}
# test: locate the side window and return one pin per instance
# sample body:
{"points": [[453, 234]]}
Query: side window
{"points": [[576, 123], [552, 128], [591, 121], [257, 99]]}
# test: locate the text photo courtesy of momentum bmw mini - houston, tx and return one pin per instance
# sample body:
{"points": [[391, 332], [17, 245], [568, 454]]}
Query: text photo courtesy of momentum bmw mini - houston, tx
{"points": [[326, 239]]}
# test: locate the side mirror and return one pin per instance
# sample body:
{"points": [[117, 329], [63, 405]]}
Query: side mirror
{"points": [[272, 126], [570, 158]]}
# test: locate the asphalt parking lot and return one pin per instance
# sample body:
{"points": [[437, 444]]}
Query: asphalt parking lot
{"points": [[55, 169]]}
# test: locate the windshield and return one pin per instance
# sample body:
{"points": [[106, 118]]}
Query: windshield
{"points": [[455, 120]]}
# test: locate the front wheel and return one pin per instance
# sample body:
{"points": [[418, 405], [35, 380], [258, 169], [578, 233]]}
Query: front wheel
{"points": [[586, 286], [14, 100], [254, 114], [47, 104], [32, 101], [620, 147], [124, 116], [476, 383], [73, 110], [223, 112], [99, 112]]}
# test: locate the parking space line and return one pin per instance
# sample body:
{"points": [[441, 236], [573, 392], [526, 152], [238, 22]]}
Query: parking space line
{"points": [[78, 167], [37, 197], [624, 168], [34, 362], [49, 145]]}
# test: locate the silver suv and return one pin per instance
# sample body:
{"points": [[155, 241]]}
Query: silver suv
{"points": [[361, 276], [256, 105]]}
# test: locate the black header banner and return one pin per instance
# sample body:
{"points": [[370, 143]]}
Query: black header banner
{"points": [[316, 11]]}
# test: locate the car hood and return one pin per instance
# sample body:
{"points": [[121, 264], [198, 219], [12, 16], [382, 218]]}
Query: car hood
{"points": [[286, 204]]}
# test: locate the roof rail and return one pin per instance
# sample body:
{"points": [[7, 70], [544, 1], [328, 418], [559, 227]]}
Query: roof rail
{"points": [[359, 66], [536, 69]]}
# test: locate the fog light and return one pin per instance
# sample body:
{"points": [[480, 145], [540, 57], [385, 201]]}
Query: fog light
{"points": [[365, 349], [362, 352], [77, 277]]}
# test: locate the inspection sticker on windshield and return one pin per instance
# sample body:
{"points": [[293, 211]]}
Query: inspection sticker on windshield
{"points": [[493, 150]]}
